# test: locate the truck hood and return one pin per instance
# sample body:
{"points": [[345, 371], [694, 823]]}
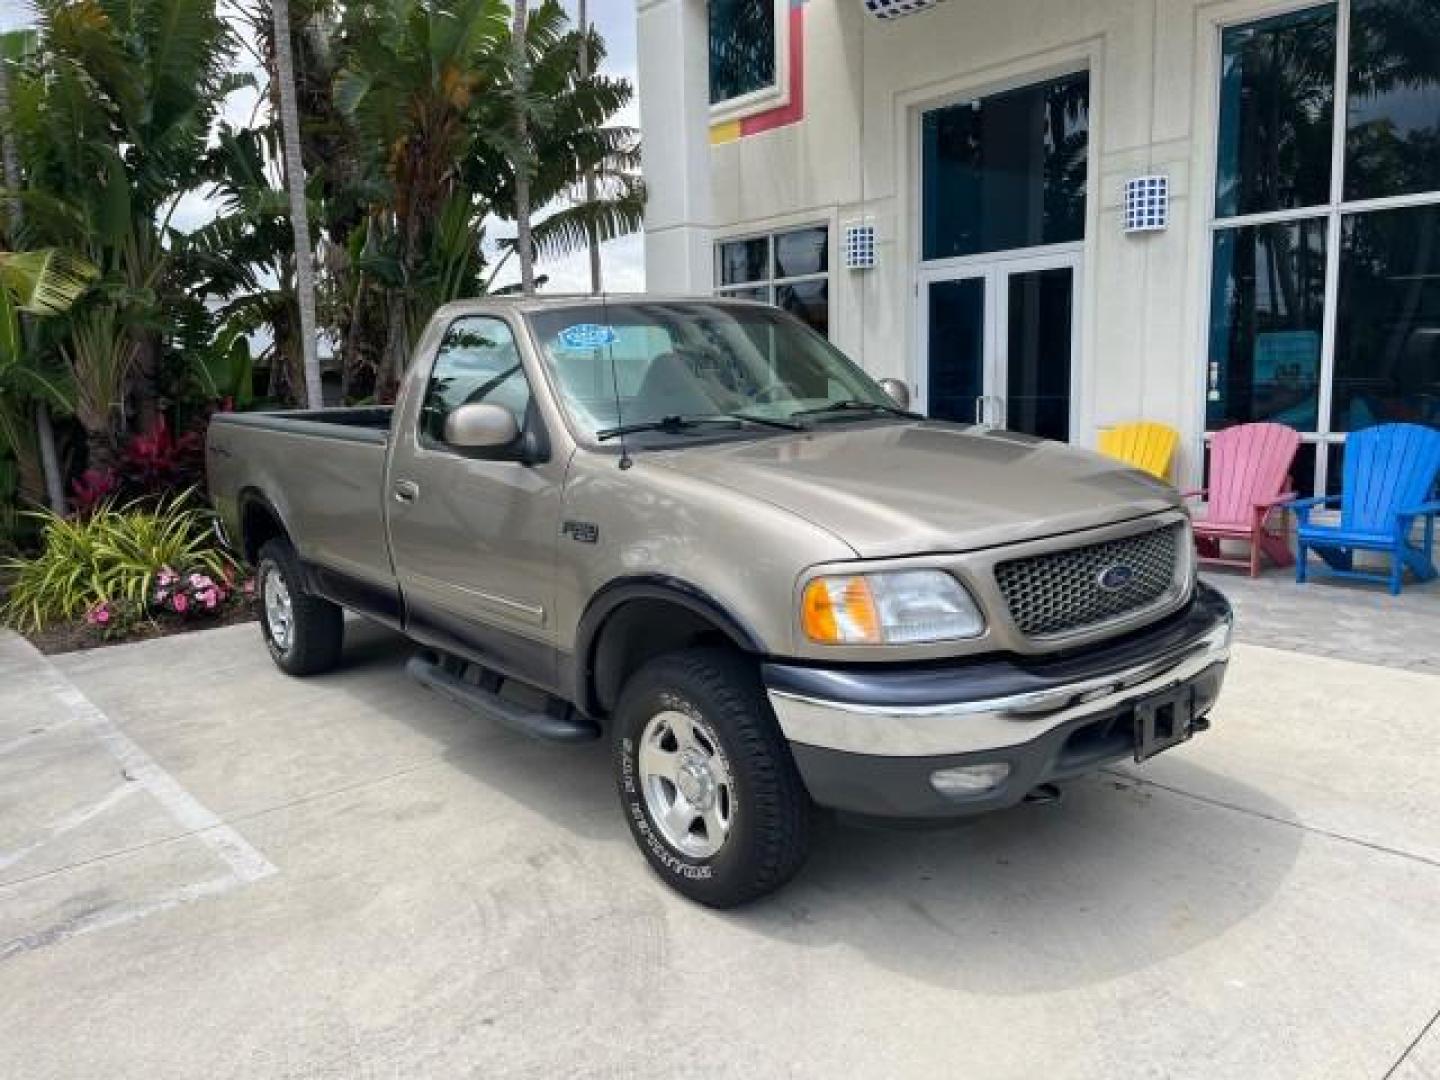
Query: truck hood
{"points": [[890, 489]]}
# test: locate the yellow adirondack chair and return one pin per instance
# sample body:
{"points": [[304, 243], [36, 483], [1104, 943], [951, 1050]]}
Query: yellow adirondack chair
{"points": [[1143, 444]]}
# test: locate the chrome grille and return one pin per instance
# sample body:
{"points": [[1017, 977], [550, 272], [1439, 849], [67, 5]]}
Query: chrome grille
{"points": [[1061, 592]]}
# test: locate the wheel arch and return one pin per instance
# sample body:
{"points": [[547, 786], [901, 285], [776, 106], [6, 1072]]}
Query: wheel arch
{"points": [[633, 620], [260, 522]]}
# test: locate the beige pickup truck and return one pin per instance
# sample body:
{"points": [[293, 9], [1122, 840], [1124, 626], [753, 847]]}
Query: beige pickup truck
{"points": [[696, 528]]}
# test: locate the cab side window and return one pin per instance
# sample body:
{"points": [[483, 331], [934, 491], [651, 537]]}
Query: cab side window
{"points": [[477, 361]]}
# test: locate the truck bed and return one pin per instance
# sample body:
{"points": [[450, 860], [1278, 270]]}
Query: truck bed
{"points": [[321, 472], [365, 424]]}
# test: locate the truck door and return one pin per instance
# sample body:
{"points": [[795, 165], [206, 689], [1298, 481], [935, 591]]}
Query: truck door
{"points": [[473, 538]]}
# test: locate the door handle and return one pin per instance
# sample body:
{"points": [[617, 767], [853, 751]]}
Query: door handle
{"points": [[406, 491], [980, 410]]}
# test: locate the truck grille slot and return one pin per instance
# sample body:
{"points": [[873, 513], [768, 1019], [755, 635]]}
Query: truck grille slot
{"points": [[1070, 590]]}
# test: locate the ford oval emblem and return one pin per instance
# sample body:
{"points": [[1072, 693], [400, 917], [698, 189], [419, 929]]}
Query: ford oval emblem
{"points": [[1115, 577]]}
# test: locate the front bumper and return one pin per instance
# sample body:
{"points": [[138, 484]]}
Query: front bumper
{"points": [[868, 739]]}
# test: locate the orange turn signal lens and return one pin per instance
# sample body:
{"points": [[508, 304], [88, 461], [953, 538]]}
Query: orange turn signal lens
{"points": [[840, 611]]}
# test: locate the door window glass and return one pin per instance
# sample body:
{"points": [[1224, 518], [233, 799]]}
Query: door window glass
{"points": [[1006, 171], [1392, 138], [957, 349], [1037, 386], [477, 361], [1277, 105]]}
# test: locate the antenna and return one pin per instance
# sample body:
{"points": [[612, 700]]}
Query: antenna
{"points": [[625, 460]]}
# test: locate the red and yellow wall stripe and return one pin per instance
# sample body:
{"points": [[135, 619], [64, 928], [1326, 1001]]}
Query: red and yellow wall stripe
{"points": [[793, 111]]}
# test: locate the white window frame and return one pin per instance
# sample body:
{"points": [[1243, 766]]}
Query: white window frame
{"points": [[1332, 212], [770, 283], [774, 96]]}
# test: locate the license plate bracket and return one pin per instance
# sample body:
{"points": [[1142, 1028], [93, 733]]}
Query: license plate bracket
{"points": [[1164, 720]]}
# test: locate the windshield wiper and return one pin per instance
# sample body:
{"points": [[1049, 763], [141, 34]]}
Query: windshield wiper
{"points": [[675, 424], [856, 405]]}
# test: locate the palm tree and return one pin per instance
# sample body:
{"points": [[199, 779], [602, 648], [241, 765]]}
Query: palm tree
{"points": [[299, 215], [592, 245], [567, 140], [519, 89], [44, 429], [40, 283]]}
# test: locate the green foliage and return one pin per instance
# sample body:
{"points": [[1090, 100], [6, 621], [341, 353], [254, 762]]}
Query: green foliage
{"points": [[115, 555]]}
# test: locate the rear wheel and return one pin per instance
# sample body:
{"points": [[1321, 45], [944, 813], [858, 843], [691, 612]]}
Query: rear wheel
{"points": [[709, 788], [304, 633]]}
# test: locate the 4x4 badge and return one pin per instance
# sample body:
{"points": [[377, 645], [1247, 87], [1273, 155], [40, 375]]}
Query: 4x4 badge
{"points": [[587, 532]]}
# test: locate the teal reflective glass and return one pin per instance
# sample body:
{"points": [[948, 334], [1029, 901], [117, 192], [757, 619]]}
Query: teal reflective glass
{"points": [[742, 47], [1277, 112], [808, 301], [1387, 337], [1267, 306], [804, 251], [744, 260], [1392, 129], [1008, 170]]}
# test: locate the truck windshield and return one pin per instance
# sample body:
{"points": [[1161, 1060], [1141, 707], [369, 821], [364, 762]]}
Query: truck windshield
{"points": [[670, 366]]}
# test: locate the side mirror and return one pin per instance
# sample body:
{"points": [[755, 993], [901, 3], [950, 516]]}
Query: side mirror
{"points": [[482, 425], [897, 391]]}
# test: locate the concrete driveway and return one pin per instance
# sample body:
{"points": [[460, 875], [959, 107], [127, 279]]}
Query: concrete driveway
{"points": [[210, 870]]}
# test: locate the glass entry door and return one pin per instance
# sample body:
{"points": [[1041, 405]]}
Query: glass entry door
{"points": [[998, 343]]}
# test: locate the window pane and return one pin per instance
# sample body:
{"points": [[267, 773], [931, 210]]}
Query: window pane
{"points": [[808, 301], [761, 293], [744, 260], [1387, 337], [804, 252], [477, 361], [1392, 137], [1007, 171], [1277, 107], [1266, 308], [742, 47]]}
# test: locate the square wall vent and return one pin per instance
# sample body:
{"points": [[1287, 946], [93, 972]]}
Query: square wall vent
{"points": [[859, 247], [893, 9], [1147, 204]]}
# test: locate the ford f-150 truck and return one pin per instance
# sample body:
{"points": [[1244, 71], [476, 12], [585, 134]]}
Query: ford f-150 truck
{"points": [[696, 528]]}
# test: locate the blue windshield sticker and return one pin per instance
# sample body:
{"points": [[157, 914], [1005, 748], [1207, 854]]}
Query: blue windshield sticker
{"points": [[587, 336]]}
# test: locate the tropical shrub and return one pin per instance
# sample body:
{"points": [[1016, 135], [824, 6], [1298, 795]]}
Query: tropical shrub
{"points": [[116, 555]]}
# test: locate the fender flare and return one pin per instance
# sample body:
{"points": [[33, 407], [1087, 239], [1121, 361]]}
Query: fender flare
{"points": [[621, 591]]}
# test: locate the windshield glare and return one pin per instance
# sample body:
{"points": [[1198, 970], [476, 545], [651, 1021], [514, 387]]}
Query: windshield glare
{"points": [[633, 363]]}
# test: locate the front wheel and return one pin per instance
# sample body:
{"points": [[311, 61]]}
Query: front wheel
{"points": [[710, 790]]}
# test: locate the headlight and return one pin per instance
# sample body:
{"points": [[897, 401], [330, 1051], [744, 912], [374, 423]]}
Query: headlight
{"points": [[905, 607]]}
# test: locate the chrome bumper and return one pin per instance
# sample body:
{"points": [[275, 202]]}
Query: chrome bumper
{"points": [[994, 723]]}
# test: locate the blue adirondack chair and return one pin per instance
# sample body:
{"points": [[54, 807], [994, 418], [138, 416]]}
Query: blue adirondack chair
{"points": [[1390, 473]]}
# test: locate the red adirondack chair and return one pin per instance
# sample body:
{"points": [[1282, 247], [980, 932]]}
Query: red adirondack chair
{"points": [[1249, 478]]}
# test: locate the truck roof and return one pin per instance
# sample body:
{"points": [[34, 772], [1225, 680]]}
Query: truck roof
{"points": [[549, 301]]}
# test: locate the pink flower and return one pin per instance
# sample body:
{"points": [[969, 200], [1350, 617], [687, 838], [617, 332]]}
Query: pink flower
{"points": [[180, 602], [208, 598], [167, 576], [99, 614], [249, 586], [102, 616]]}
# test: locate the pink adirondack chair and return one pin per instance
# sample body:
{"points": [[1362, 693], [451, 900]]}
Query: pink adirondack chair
{"points": [[1249, 478]]}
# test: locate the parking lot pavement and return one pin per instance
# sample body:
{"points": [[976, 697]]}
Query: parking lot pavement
{"points": [[346, 877]]}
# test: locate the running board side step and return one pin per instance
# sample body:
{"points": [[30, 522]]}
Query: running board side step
{"points": [[451, 677]]}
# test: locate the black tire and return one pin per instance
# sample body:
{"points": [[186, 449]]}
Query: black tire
{"points": [[317, 627], [769, 810]]}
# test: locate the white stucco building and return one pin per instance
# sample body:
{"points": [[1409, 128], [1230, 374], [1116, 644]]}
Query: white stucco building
{"points": [[1294, 274]]}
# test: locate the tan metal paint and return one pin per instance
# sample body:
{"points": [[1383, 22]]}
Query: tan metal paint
{"points": [[747, 522]]}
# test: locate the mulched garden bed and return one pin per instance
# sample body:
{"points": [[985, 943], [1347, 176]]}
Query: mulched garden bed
{"points": [[78, 634]]}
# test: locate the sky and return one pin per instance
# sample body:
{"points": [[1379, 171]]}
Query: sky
{"points": [[622, 261]]}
